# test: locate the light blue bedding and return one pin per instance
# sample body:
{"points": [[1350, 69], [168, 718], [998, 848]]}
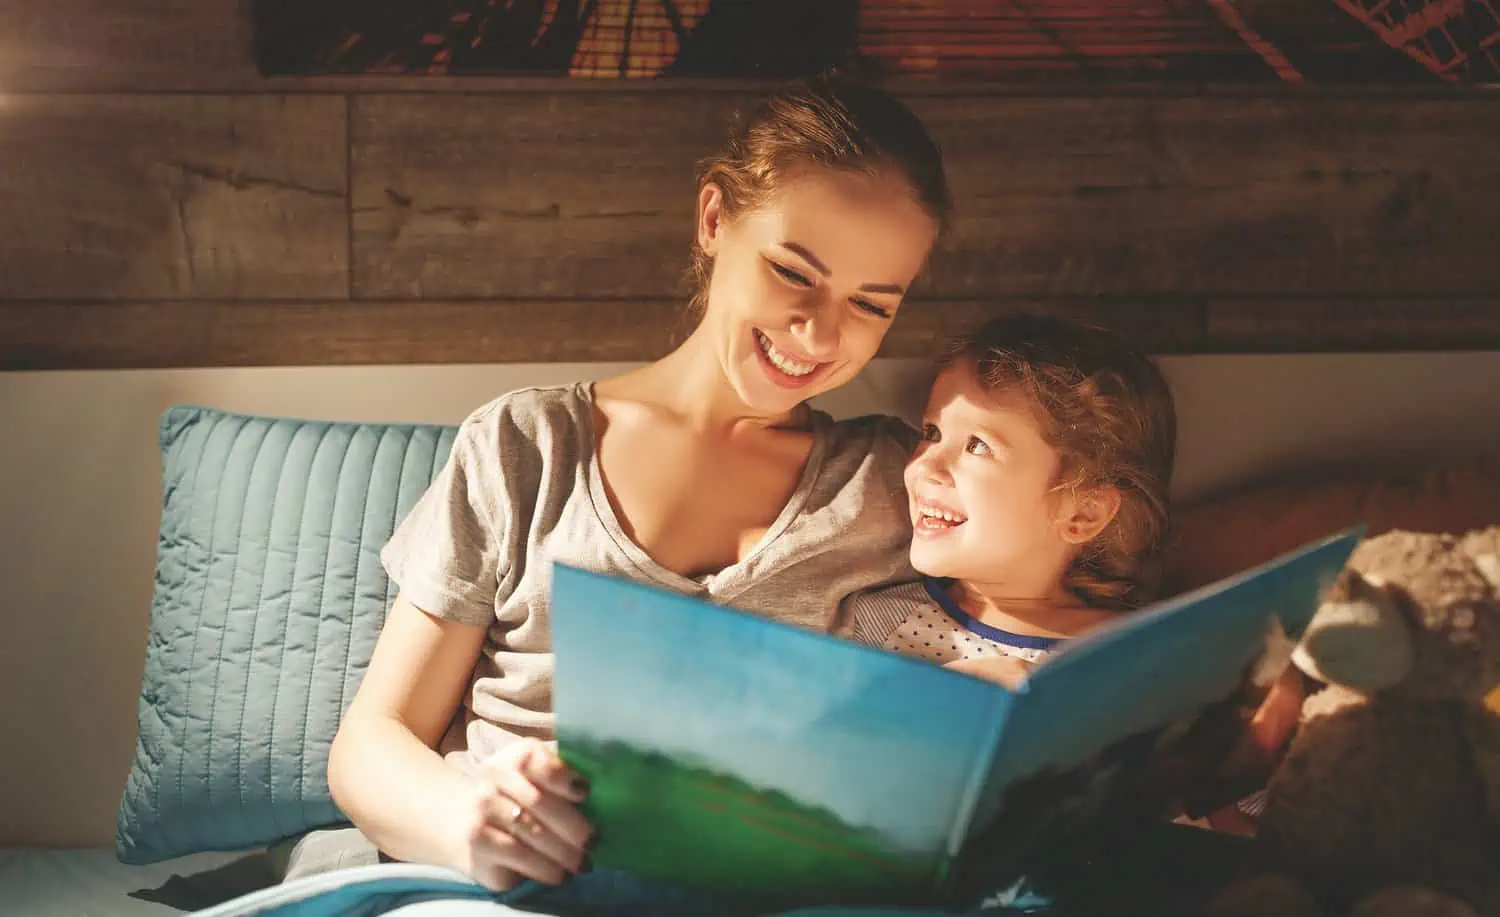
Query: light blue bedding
{"points": [[410, 890], [381, 889], [1147, 872]]}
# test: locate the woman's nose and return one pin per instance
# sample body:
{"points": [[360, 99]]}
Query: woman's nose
{"points": [[816, 329]]}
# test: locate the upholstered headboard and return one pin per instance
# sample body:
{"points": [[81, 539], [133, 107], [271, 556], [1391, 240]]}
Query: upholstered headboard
{"points": [[1218, 536]]}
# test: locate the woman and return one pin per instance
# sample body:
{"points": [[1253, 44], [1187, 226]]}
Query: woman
{"points": [[705, 472]]}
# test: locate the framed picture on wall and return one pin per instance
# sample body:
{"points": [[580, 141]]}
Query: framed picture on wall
{"points": [[1088, 41]]}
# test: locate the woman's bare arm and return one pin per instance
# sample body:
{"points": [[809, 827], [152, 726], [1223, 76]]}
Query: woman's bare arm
{"points": [[382, 769], [385, 774]]}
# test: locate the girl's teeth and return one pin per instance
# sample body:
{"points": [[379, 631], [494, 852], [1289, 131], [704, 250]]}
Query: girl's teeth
{"points": [[781, 361]]}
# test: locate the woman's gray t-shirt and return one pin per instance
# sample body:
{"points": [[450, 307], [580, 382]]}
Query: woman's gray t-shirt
{"points": [[522, 489]]}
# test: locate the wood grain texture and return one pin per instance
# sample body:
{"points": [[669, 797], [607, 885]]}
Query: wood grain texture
{"points": [[173, 196], [125, 45], [1354, 325], [201, 229], [526, 195], [562, 194], [1276, 196], [95, 335], [101, 335]]}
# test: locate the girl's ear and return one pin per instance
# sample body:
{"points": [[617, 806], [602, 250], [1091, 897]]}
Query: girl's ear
{"points": [[710, 217], [1090, 512]]}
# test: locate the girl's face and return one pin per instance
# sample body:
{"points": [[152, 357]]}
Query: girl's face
{"points": [[982, 491], [803, 289]]}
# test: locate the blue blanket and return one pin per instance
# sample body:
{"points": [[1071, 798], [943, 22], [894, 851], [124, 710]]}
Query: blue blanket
{"points": [[1160, 872], [411, 890], [426, 891]]}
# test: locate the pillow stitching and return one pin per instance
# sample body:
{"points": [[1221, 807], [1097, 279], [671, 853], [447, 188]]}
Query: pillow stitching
{"points": [[358, 559], [169, 436], [260, 601], [234, 569], [391, 587], [406, 461], [184, 832], [202, 426], [318, 620], [286, 618]]}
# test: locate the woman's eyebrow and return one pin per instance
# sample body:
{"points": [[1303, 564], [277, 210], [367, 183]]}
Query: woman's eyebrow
{"points": [[802, 252]]}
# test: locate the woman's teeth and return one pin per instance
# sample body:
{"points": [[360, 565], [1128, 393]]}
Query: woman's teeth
{"points": [[780, 360], [940, 516]]}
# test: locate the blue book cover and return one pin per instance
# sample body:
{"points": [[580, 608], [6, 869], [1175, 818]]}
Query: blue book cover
{"points": [[739, 755]]}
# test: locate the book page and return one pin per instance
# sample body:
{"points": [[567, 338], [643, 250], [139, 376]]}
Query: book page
{"points": [[1113, 702], [731, 752]]}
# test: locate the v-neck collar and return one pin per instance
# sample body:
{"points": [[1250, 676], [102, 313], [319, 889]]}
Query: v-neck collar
{"points": [[730, 579]]}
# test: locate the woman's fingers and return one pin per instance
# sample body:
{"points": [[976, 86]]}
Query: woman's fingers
{"points": [[540, 763], [531, 829], [501, 860], [545, 811], [534, 800]]}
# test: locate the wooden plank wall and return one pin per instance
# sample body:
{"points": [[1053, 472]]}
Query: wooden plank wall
{"points": [[161, 205]]}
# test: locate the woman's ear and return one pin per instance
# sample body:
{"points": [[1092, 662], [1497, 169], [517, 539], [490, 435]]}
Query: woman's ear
{"points": [[1089, 512], [710, 217]]}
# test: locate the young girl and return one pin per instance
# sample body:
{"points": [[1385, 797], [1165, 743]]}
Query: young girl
{"points": [[1037, 496], [1039, 503], [705, 472]]}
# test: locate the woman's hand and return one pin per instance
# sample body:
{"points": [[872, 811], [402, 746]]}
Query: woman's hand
{"points": [[1008, 671], [516, 819], [521, 821]]}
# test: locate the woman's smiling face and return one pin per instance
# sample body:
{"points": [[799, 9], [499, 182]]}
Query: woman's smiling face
{"points": [[804, 287]]}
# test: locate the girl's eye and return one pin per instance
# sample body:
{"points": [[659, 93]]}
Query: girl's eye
{"points": [[929, 433], [867, 306], [790, 275], [977, 446]]}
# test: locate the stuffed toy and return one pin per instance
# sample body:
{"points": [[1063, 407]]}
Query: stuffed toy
{"points": [[1387, 801]]}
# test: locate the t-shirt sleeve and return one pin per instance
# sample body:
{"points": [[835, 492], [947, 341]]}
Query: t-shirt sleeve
{"points": [[871, 616], [445, 555]]}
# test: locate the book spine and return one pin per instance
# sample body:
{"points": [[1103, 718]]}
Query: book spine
{"points": [[984, 765]]}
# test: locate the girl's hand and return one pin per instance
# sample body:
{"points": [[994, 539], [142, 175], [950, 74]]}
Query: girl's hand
{"points": [[1258, 747], [522, 821], [1008, 671]]}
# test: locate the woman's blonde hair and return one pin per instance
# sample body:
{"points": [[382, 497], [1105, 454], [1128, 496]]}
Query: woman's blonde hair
{"points": [[824, 122], [1109, 413]]}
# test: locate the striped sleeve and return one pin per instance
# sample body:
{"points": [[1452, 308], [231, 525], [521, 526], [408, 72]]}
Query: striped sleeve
{"points": [[872, 616]]}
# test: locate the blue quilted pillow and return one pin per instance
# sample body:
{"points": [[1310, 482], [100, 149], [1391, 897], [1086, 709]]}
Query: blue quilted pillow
{"points": [[269, 596]]}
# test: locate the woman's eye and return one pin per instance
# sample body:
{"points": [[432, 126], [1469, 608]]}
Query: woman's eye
{"points": [[790, 275], [929, 433], [977, 446], [867, 306]]}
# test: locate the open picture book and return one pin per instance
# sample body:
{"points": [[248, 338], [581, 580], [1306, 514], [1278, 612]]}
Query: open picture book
{"points": [[735, 754]]}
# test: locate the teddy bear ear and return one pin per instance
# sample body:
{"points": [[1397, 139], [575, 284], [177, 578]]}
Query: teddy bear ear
{"points": [[1357, 639]]}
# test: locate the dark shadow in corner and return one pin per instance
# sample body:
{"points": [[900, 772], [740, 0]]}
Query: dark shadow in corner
{"points": [[210, 887]]}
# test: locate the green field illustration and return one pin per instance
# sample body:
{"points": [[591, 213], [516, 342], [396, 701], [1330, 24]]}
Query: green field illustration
{"points": [[760, 842], [746, 757]]}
